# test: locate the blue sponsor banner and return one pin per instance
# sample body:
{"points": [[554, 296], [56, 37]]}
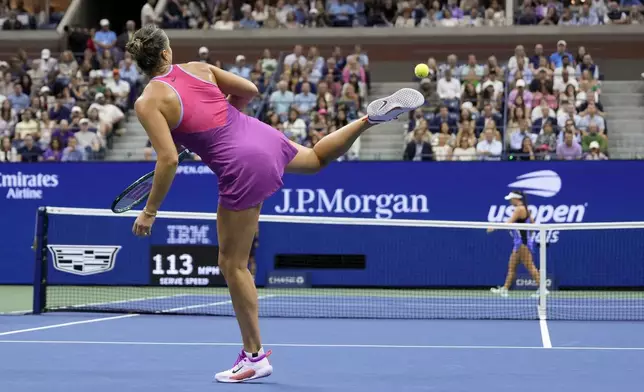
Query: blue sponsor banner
{"points": [[558, 192]]}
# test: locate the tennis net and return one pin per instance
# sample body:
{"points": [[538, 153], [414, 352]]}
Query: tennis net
{"points": [[88, 260]]}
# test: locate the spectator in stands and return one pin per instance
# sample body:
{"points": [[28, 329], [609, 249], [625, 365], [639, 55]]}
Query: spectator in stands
{"points": [[489, 149], [73, 152], [464, 152], [105, 40], [341, 13], [594, 135], [204, 55], [89, 141], [587, 16], [248, 21], [126, 35], [517, 114], [444, 131], [527, 15], [556, 59], [442, 149], [636, 15], [109, 114], [471, 71], [546, 143], [304, 102], [148, 15], [296, 56], [594, 153], [225, 22], [516, 137], [465, 132], [46, 129], [59, 111], [587, 64], [566, 112], [615, 15], [567, 18], [449, 89], [8, 116], [520, 91], [173, 17], [282, 99], [29, 152], [294, 127], [588, 117], [120, 90], [12, 22], [54, 152], [63, 132], [240, 68], [443, 116], [19, 100], [27, 126], [569, 149], [8, 152], [488, 116], [418, 149]]}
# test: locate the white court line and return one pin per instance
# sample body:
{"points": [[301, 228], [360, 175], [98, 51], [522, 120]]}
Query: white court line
{"points": [[545, 333], [311, 345], [90, 321], [98, 320], [228, 302]]}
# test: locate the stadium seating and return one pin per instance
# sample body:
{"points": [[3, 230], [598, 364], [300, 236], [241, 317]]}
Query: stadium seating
{"points": [[544, 106], [527, 103]]}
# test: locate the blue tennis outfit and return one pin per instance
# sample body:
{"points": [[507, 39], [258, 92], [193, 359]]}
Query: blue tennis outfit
{"points": [[522, 237]]}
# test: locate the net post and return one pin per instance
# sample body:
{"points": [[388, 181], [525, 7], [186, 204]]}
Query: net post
{"points": [[40, 267], [542, 272]]}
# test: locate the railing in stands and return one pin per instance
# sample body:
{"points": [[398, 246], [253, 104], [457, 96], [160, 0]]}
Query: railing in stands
{"points": [[275, 77], [506, 104]]}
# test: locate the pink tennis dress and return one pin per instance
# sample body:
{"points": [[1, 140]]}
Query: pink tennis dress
{"points": [[247, 155]]}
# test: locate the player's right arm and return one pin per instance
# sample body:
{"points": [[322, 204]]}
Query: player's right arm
{"points": [[148, 111], [239, 90]]}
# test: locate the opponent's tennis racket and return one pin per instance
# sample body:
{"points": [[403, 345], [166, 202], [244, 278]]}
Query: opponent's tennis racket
{"points": [[140, 189]]}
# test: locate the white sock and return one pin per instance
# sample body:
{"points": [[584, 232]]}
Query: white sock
{"points": [[259, 353]]}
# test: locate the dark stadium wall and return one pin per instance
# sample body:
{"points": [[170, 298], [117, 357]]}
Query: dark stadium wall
{"points": [[117, 12]]}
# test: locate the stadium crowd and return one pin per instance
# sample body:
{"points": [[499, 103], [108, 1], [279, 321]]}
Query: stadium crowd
{"points": [[222, 15], [67, 108], [536, 106]]}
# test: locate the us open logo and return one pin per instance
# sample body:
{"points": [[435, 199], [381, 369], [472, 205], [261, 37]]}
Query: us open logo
{"points": [[544, 183], [84, 259]]}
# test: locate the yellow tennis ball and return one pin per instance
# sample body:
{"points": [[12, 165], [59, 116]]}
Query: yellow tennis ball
{"points": [[421, 70]]}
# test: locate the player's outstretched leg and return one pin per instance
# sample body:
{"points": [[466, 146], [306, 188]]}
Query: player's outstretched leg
{"points": [[336, 144]]}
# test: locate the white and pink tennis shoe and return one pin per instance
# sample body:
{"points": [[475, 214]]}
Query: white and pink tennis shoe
{"points": [[247, 368]]}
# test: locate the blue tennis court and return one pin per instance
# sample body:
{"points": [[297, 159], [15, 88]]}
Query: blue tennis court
{"points": [[131, 352]]}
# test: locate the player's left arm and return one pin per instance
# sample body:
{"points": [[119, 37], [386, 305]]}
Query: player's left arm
{"points": [[156, 126]]}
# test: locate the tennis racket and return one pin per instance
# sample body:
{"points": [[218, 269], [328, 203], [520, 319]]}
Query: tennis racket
{"points": [[140, 189]]}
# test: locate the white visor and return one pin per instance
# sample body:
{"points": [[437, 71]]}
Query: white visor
{"points": [[513, 195]]}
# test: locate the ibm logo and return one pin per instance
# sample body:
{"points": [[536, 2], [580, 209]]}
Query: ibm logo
{"points": [[188, 234]]}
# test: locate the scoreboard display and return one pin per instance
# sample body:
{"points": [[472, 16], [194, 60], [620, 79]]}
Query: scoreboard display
{"points": [[185, 265]]}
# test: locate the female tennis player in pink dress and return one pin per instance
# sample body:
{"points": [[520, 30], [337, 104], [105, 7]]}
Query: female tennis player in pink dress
{"points": [[199, 106]]}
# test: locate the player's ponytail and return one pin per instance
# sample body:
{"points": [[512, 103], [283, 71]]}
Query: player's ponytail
{"points": [[146, 46]]}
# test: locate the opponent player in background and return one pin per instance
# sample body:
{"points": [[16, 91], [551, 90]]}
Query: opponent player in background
{"points": [[199, 106], [523, 243]]}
